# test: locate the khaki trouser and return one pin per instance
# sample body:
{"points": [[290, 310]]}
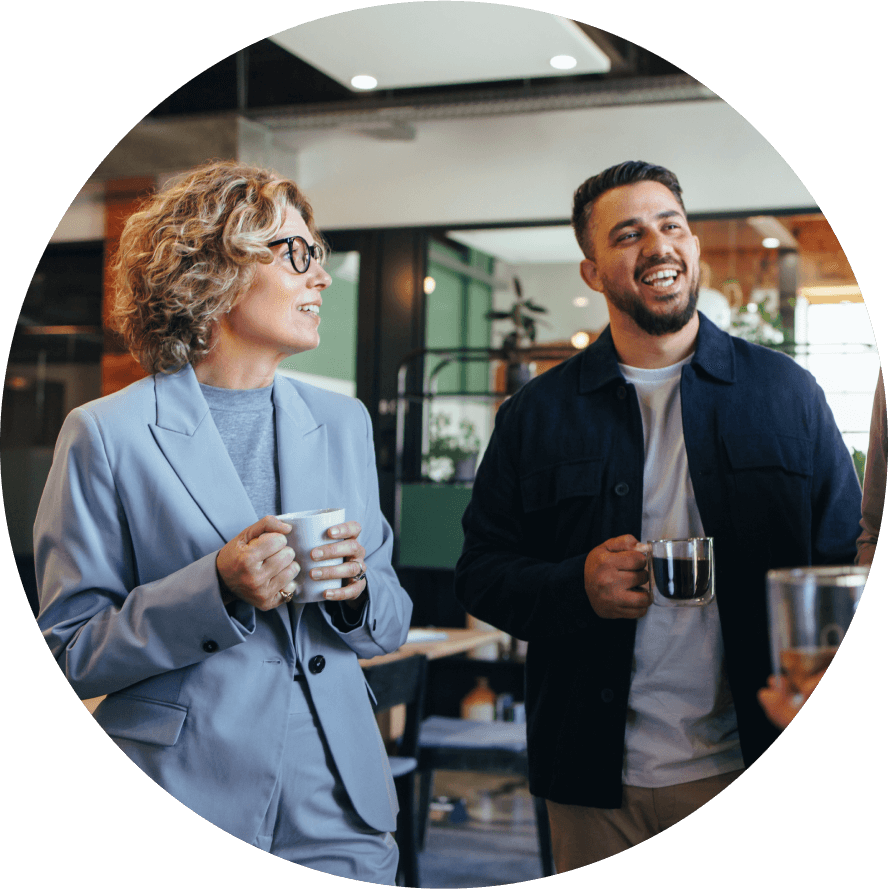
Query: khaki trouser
{"points": [[582, 835]]}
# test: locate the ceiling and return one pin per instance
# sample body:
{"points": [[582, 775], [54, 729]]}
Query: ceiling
{"points": [[433, 53], [435, 44], [439, 59]]}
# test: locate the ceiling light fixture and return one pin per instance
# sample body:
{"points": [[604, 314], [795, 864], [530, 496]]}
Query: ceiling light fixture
{"points": [[581, 301], [771, 227], [771, 243], [580, 339], [428, 285], [363, 82], [563, 63]]}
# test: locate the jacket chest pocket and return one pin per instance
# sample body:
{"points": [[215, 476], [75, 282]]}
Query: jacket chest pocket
{"points": [[770, 482], [557, 502], [550, 485], [770, 453]]}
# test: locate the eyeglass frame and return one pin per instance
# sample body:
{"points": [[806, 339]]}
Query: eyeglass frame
{"points": [[313, 251]]}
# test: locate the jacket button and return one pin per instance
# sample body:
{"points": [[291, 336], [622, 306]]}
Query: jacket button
{"points": [[621, 392], [316, 664], [622, 489], [210, 646], [607, 695]]}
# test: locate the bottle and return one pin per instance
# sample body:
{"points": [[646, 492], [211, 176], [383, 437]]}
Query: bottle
{"points": [[480, 703], [504, 704]]}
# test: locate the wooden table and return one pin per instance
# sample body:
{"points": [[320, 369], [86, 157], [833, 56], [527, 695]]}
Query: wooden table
{"points": [[455, 641]]}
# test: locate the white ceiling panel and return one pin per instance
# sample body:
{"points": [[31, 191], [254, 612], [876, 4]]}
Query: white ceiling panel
{"points": [[548, 243], [424, 44]]}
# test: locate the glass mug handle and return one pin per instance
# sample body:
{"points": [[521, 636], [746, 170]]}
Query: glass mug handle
{"points": [[645, 549]]}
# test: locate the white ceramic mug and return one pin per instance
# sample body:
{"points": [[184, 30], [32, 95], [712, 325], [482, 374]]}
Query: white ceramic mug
{"points": [[310, 530]]}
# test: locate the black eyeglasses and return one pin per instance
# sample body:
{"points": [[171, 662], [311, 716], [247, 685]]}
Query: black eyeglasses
{"points": [[300, 253]]}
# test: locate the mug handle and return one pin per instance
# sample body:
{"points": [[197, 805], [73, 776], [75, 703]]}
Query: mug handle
{"points": [[647, 549]]}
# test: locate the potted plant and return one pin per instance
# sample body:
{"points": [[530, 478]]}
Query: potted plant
{"points": [[452, 456], [523, 334]]}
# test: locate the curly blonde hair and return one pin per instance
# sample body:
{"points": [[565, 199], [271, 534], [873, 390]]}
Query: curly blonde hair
{"points": [[188, 254]]}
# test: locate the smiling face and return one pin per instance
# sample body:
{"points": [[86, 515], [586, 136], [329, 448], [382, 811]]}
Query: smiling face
{"points": [[644, 258], [279, 315]]}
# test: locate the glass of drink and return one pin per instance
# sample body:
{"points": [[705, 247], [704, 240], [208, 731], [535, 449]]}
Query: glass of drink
{"points": [[810, 610], [682, 572]]}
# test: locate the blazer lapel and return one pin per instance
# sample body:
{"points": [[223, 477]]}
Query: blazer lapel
{"points": [[188, 437], [302, 451], [302, 463]]}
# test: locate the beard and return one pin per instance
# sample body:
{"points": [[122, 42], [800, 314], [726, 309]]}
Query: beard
{"points": [[656, 323]]}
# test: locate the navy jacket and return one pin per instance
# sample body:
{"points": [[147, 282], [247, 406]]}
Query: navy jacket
{"points": [[775, 486]]}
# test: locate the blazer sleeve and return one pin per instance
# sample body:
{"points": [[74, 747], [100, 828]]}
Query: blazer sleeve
{"points": [[385, 619], [106, 631]]}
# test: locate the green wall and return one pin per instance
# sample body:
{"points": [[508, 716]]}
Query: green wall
{"points": [[335, 356], [455, 316]]}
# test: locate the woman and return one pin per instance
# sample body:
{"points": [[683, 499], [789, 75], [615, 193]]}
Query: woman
{"points": [[160, 585]]}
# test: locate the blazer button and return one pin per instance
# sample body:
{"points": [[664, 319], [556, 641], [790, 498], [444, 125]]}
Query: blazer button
{"points": [[607, 695], [210, 646], [316, 664], [622, 489]]}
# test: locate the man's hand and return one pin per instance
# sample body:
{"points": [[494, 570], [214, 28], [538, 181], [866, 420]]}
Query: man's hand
{"points": [[613, 573]]}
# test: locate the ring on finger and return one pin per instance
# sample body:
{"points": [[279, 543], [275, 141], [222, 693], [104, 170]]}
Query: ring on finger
{"points": [[287, 597], [363, 573]]}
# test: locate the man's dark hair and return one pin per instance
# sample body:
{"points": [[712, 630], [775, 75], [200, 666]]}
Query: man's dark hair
{"points": [[627, 173]]}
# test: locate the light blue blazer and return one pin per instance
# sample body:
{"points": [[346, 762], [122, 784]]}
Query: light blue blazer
{"points": [[141, 496]]}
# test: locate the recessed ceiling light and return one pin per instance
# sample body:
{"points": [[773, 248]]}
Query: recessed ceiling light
{"points": [[363, 82], [581, 301], [563, 63], [771, 243], [580, 339], [428, 285]]}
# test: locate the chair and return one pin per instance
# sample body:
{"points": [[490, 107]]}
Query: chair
{"points": [[466, 745], [403, 681]]}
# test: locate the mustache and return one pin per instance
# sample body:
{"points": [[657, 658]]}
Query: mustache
{"points": [[654, 261]]}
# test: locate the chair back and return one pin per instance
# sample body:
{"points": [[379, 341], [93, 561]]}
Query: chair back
{"points": [[401, 681]]}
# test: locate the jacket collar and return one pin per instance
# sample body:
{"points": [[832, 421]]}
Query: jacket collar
{"points": [[192, 445], [714, 354]]}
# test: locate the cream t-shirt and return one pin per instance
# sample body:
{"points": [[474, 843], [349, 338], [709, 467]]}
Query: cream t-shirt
{"points": [[681, 723]]}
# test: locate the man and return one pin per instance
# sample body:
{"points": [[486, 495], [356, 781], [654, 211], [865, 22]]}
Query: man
{"points": [[665, 427]]}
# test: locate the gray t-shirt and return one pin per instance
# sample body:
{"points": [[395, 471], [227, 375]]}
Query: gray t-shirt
{"points": [[245, 420]]}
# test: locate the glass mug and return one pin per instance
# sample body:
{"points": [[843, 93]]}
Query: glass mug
{"points": [[809, 611], [682, 572]]}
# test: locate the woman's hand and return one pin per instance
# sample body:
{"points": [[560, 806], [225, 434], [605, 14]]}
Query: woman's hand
{"points": [[258, 565], [346, 546]]}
